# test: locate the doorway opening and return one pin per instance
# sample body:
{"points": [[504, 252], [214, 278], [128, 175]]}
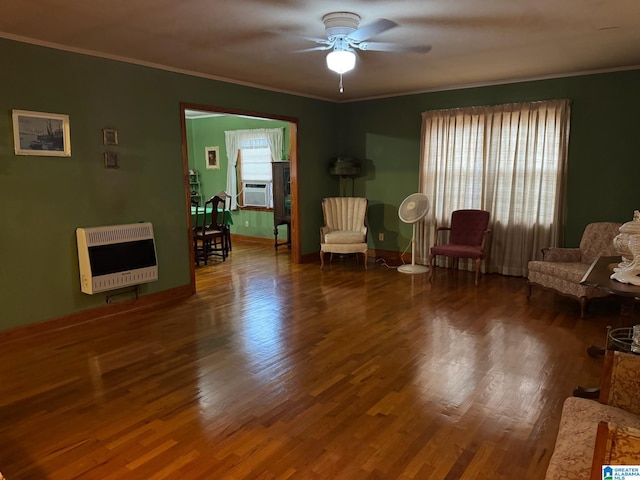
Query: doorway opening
{"points": [[221, 119]]}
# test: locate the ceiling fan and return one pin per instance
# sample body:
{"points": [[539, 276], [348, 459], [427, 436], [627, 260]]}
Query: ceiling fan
{"points": [[344, 36]]}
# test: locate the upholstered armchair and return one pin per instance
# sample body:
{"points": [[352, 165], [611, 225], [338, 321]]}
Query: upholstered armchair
{"points": [[581, 443], [467, 236], [562, 269], [344, 229]]}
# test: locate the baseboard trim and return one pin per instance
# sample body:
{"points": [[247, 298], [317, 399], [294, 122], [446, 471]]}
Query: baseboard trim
{"points": [[313, 257], [390, 256], [93, 314]]}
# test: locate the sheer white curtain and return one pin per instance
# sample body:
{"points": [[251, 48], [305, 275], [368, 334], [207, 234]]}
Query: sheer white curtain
{"points": [[236, 139], [507, 159]]}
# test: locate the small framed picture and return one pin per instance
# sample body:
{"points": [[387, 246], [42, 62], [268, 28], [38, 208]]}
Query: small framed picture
{"points": [[39, 133], [110, 136], [212, 158], [111, 160]]}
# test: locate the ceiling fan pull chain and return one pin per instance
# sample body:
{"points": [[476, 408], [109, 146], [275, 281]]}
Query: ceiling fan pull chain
{"points": [[341, 89]]}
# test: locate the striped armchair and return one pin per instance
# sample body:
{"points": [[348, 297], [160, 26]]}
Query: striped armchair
{"points": [[344, 229]]}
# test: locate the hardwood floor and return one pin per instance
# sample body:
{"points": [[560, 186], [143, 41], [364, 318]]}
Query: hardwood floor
{"points": [[277, 371]]}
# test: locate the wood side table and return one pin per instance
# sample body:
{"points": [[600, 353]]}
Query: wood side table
{"points": [[599, 276]]}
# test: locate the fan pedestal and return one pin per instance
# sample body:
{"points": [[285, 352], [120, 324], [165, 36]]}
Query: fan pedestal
{"points": [[413, 209], [413, 269]]}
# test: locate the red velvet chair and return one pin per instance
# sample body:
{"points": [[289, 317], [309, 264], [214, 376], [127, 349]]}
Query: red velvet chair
{"points": [[467, 235]]}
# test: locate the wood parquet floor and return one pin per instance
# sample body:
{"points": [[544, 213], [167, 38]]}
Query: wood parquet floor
{"points": [[281, 371]]}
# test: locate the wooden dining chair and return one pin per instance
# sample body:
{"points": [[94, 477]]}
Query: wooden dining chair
{"points": [[226, 211], [209, 237], [195, 216]]}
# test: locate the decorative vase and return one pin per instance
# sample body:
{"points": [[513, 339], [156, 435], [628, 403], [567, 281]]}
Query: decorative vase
{"points": [[627, 244]]}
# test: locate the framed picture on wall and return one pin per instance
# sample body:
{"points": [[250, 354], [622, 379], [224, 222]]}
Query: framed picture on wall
{"points": [[212, 158], [109, 136], [39, 133], [111, 160]]}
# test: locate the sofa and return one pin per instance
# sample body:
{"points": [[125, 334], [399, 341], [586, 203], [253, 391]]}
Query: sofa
{"points": [[562, 269], [584, 440]]}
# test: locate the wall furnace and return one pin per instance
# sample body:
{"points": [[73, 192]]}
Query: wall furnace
{"points": [[116, 256]]}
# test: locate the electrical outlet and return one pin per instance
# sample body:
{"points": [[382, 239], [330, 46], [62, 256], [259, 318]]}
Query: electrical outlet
{"points": [[246, 223], [381, 237]]}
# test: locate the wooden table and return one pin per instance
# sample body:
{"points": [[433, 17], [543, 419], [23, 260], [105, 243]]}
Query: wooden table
{"points": [[599, 276], [195, 221]]}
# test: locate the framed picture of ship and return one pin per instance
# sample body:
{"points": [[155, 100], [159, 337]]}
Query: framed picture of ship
{"points": [[39, 133]]}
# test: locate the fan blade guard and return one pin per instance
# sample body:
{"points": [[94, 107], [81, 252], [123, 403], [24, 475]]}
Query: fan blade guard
{"points": [[414, 208]]}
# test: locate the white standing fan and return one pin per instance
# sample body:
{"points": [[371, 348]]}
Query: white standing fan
{"points": [[413, 209]]}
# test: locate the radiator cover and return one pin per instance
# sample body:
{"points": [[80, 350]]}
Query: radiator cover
{"points": [[116, 256]]}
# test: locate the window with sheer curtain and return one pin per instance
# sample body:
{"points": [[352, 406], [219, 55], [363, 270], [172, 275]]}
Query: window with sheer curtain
{"points": [[507, 159], [254, 159], [255, 164], [237, 141]]}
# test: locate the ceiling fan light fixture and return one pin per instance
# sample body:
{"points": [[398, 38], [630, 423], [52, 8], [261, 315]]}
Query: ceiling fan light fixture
{"points": [[341, 61]]}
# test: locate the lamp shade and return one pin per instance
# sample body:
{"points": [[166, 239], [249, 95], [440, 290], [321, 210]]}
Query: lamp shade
{"points": [[341, 61]]}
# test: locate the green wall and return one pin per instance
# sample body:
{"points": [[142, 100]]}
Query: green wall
{"points": [[44, 199], [603, 151], [209, 132]]}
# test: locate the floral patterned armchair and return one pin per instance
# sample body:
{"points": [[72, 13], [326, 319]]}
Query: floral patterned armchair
{"points": [[562, 269], [618, 406]]}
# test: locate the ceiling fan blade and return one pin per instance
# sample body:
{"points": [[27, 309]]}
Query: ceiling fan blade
{"points": [[313, 49], [323, 41], [371, 29], [393, 47]]}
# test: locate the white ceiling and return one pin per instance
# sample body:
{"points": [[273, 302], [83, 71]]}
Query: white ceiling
{"points": [[254, 42]]}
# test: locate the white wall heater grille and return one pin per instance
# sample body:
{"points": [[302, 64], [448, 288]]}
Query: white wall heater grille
{"points": [[116, 256]]}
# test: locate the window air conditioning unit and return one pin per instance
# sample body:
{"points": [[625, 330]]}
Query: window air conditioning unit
{"points": [[256, 195]]}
